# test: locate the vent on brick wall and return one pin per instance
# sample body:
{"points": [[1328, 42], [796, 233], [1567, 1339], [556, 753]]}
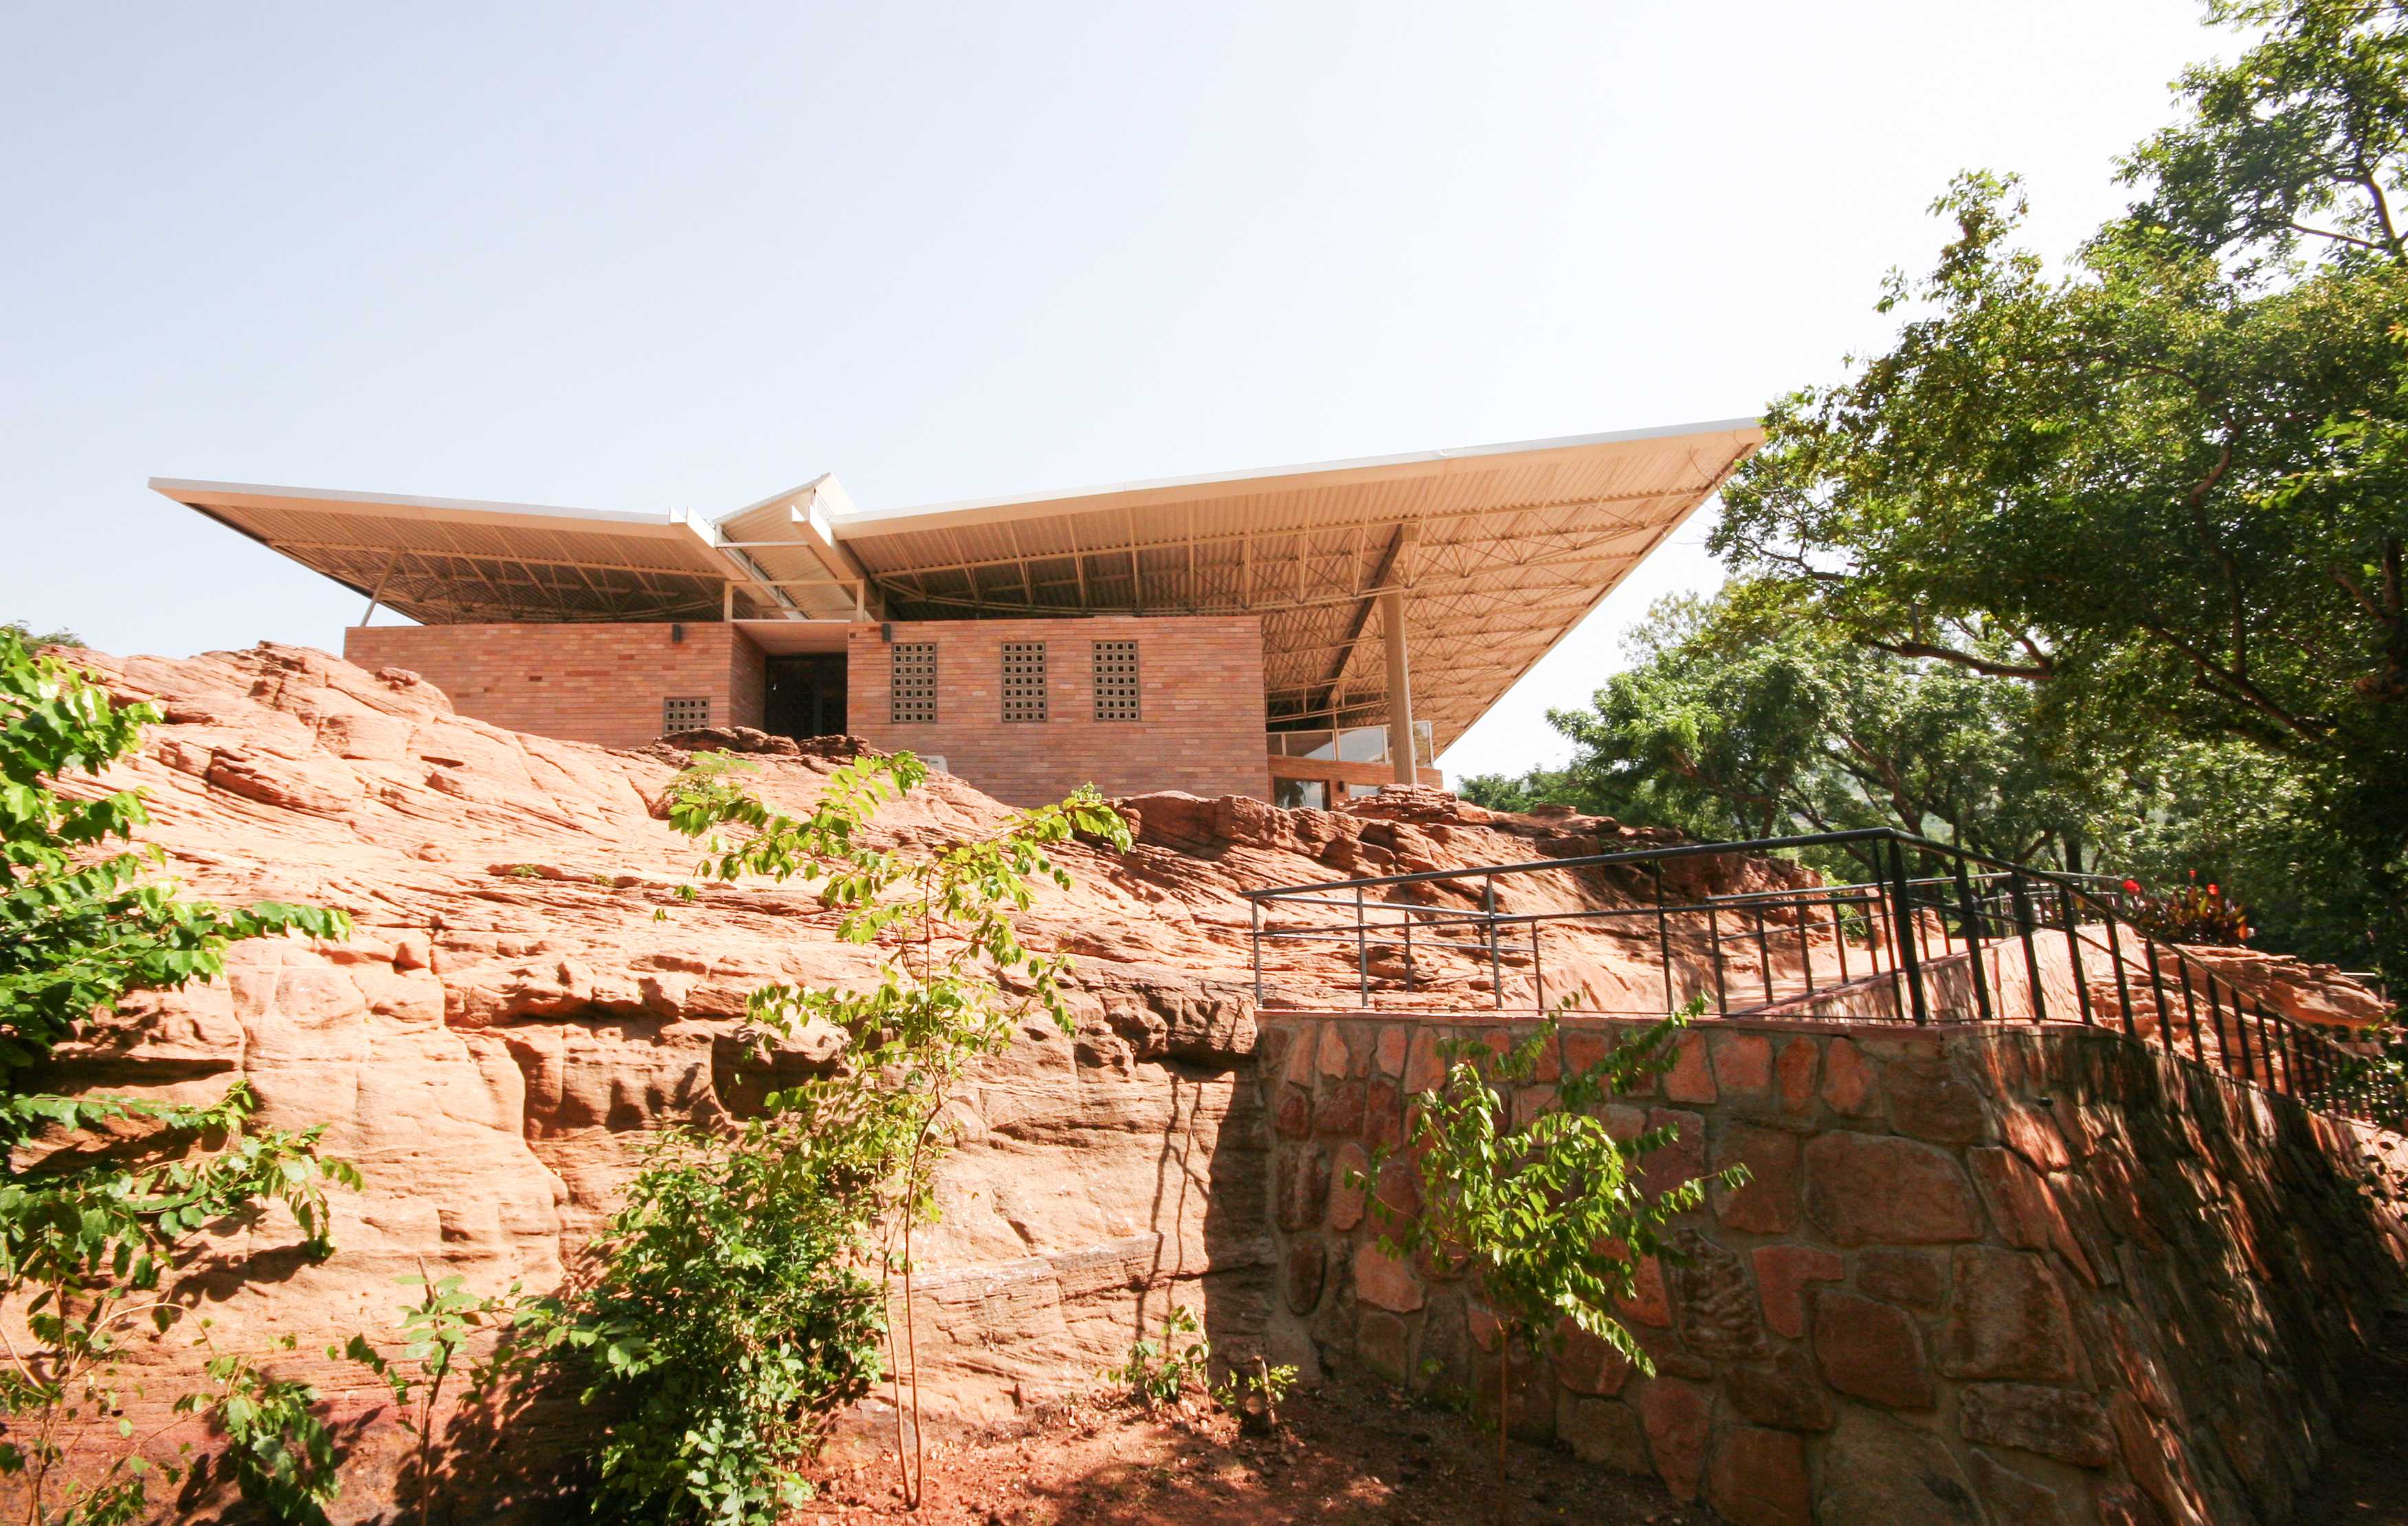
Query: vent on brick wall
{"points": [[689, 714], [1116, 680], [911, 692], [1024, 681]]}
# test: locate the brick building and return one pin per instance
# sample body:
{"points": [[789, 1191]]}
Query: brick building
{"points": [[1293, 634]]}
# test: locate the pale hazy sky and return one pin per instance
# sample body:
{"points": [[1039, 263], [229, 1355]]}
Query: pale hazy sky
{"points": [[648, 257]]}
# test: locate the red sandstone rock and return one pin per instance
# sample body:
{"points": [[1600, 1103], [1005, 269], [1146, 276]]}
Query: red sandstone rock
{"points": [[1384, 1282], [2025, 1209], [1742, 1064], [1691, 1079], [1346, 1193], [1874, 1188], [1759, 1478], [1603, 1431], [1799, 1063], [1871, 1350], [1919, 1277], [1768, 1203], [2062, 1423], [2007, 1317], [2013, 1497], [1929, 1099], [1675, 1414], [1782, 1274], [1847, 1080], [1587, 1364], [1304, 1190], [1786, 1396], [1307, 1267], [1880, 1469]]}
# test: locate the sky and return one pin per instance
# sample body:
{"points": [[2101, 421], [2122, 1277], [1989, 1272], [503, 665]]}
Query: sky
{"points": [[651, 257]]}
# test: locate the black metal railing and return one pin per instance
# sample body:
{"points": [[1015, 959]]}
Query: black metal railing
{"points": [[1938, 933]]}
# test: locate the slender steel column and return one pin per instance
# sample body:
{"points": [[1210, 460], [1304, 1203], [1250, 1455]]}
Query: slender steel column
{"points": [[1401, 688]]}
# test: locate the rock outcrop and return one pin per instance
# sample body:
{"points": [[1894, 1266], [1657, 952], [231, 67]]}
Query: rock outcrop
{"points": [[526, 996], [510, 1016]]}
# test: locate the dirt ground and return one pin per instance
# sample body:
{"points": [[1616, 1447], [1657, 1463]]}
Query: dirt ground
{"points": [[1342, 1454], [1348, 1454]]}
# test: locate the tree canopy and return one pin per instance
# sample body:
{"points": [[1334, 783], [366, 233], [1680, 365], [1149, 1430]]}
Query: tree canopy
{"points": [[2139, 520]]}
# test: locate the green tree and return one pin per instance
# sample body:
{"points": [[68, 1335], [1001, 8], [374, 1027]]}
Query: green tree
{"points": [[104, 1201], [1744, 716], [1548, 1214], [2162, 489], [742, 1288]]}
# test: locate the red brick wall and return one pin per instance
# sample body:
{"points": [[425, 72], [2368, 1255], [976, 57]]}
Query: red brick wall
{"points": [[584, 683], [1200, 705]]}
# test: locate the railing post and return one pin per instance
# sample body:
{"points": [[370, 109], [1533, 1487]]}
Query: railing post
{"points": [[1763, 953], [2123, 986], [2289, 1032], [1538, 971], [2074, 952], [1715, 940], [1902, 917], [1258, 951], [1405, 916], [2190, 1010], [1805, 948], [1495, 964], [2240, 1028], [2031, 953], [2269, 1046], [1840, 937], [1362, 955], [2158, 992], [1663, 931], [1972, 941]]}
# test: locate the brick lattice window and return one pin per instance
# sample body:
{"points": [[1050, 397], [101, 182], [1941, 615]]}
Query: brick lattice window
{"points": [[685, 713], [913, 691], [1024, 681], [1116, 680]]}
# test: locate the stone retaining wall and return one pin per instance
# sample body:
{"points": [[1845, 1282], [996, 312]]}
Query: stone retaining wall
{"points": [[1980, 1274]]}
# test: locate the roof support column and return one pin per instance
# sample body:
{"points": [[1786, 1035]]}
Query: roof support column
{"points": [[1400, 687]]}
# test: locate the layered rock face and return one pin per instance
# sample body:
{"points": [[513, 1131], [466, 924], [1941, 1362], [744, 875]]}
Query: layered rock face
{"points": [[1979, 1274], [510, 1019], [513, 1017]]}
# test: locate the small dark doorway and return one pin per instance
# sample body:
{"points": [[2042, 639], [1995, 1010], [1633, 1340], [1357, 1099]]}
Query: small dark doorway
{"points": [[806, 695]]}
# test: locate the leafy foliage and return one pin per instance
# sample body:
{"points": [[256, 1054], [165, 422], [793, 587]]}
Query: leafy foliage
{"points": [[86, 925], [2164, 491], [2191, 913], [734, 1300], [1743, 716], [1548, 1214], [279, 1453], [436, 1330], [104, 1200], [1158, 1372]]}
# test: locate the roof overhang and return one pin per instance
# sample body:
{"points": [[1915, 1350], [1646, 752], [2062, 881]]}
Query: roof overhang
{"points": [[456, 561], [1500, 550]]}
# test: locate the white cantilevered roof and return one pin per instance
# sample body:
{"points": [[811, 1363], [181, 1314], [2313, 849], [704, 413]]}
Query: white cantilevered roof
{"points": [[1499, 551]]}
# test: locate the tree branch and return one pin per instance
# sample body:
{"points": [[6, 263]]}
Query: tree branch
{"points": [[2044, 668]]}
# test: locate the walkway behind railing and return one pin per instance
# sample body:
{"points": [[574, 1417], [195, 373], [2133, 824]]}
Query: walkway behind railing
{"points": [[1936, 933]]}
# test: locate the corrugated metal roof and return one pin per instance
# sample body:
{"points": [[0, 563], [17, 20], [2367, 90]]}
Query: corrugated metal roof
{"points": [[1499, 548]]}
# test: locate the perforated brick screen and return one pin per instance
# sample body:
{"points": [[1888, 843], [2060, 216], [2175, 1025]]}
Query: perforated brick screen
{"points": [[1116, 687]]}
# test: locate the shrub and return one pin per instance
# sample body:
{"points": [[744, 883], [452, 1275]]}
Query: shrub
{"points": [[104, 1200], [741, 1293], [1548, 1214]]}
